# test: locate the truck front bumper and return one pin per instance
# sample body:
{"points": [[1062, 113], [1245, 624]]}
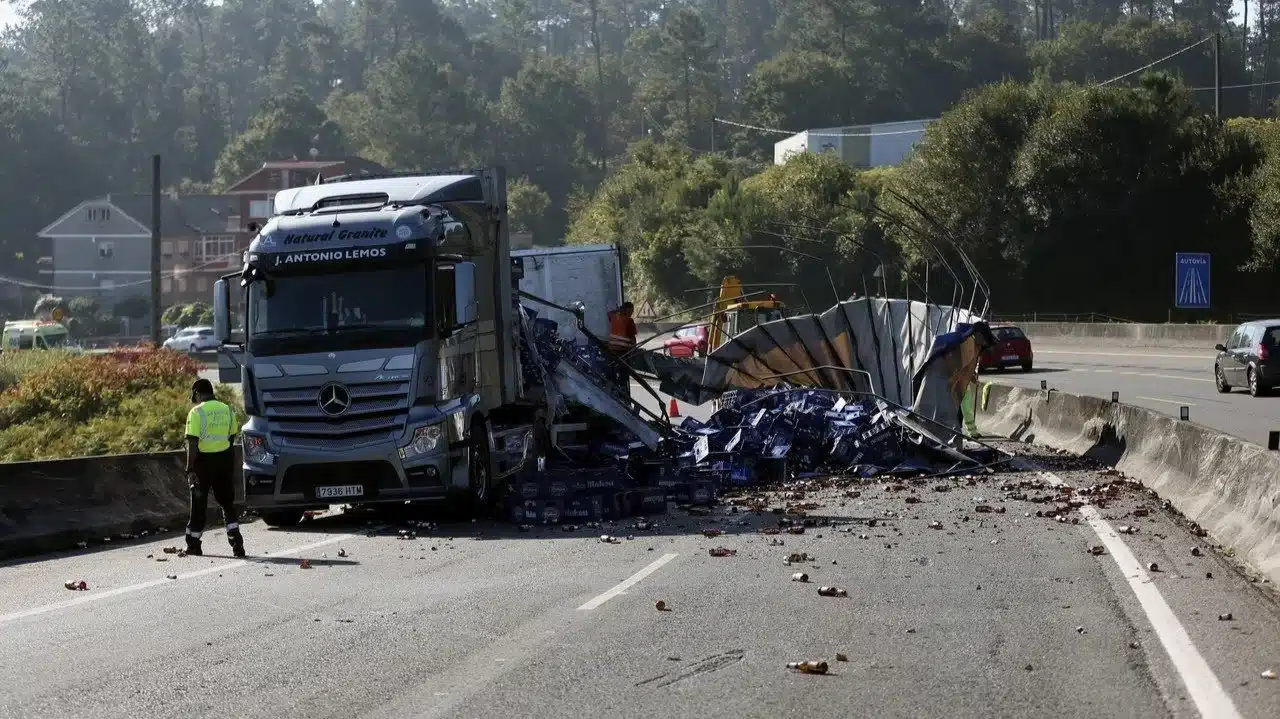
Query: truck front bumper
{"points": [[369, 475]]}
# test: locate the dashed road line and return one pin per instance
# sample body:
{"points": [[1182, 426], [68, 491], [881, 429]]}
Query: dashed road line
{"points": [[130, 589], [628, 583]]}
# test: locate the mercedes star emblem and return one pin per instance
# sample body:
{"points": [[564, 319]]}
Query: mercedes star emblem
{"points": [[334, 399]]}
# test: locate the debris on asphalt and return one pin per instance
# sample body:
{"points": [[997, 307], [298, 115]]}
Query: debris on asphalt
{"points": [[607, 539], [722, 552], [171, 576], [306, 564], [1097, 550], [77, 585], [711, 533], [800, 577], [1268, 674], [810, 667], [935, 524], [660, 605], [797, 558], [832, 592], [1208, 575], [1225, 617], [1079, 630], [1126, 529], [1195, 551], [1153, 567], [842, 657], [342, 552], [171, 550]]}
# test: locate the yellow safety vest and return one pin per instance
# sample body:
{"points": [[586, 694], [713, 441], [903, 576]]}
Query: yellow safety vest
{"points": [[212, 423]]}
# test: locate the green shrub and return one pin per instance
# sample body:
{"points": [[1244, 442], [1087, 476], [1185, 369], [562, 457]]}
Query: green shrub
{"points": [[55, 404]]}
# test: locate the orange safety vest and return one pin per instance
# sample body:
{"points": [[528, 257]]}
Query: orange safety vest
{"points": [[621, 338]]}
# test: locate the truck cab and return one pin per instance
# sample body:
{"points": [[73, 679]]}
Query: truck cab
{"points": [[379, 361], [734, 314]]}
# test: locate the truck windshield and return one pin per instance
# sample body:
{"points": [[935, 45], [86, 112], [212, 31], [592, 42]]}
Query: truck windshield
{"points": [[383, 307]]}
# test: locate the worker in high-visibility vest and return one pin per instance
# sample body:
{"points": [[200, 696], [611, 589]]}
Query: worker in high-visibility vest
{"points": [[211, 465], [968, 407], [622, 339]]}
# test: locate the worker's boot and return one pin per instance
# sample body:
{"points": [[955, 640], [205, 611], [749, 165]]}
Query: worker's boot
{"points": [[236, 540], [193, 546]]}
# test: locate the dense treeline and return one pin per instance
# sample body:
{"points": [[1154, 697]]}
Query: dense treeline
{"points": [[558, 90]]}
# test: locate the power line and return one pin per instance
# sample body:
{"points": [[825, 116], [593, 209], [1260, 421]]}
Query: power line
{"points": [[1150, 65], [54, 288], [789, 132], [1236, 87]]}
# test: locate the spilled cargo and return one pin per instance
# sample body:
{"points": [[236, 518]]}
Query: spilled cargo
{"points": [[868, 388]]}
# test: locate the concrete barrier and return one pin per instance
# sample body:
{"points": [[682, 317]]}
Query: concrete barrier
{"points": [[1115, 334], [1228, 486], [51, 505]]}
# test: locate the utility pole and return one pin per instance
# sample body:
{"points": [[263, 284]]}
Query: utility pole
{"points": [[156, 310], [1217, 75], [713, 134]]}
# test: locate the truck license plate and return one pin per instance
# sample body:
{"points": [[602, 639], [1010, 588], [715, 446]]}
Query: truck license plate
{"points": [[1010, 358], [346, 490]]}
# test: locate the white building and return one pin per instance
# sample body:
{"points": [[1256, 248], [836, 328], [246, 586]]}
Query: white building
{"points": [[884, 144]]}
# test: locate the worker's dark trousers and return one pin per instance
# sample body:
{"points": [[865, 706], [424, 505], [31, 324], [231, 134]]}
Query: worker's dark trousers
{"points": [[215, 473]]}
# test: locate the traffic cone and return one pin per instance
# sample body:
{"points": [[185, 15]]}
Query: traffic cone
{"points": [[674, 410]]}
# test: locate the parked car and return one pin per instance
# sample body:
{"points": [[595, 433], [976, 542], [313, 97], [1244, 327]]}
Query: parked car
{"points": [[1250, 358], [1012, 349], [193, 339], [687, 342]]}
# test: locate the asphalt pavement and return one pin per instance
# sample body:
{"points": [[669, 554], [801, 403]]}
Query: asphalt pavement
{"points": [[1160, 379], [985, 614]]}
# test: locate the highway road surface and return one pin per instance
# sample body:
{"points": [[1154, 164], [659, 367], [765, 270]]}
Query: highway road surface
{"points": [[1158, 379], [991, 614]]}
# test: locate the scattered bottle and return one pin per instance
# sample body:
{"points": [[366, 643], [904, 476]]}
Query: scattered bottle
{"points": [[799, 577], [810, 667], [832, 592]]}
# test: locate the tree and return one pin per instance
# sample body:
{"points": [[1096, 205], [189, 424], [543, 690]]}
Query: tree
{"points": [[682, 89], [133, 308], [527, 203], [415, 111], [47, 304], [282, 128]]}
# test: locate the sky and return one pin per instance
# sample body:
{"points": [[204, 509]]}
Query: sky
{"points": [[7, 12]]}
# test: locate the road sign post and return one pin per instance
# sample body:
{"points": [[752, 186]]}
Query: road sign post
{"points": [[1191, 284]]}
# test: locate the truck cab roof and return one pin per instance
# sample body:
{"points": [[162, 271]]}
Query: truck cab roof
{"points": [[417, 189]]}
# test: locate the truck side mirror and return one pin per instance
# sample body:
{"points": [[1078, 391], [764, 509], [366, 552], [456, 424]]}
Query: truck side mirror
{"points": [[464, 293], [222, 312]]}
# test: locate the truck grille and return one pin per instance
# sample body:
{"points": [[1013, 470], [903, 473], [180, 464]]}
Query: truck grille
{"points": [[378, 413]]}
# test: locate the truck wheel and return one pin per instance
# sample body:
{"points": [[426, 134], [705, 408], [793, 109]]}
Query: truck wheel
{"points": [[282, 518], [480, 490]]}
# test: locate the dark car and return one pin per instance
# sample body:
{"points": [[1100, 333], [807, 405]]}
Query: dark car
{"points": [[1249, 359], [1012, 349], [687, 342]]}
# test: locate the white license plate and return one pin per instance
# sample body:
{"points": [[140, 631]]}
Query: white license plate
{"points": [[346, 490], [1010, 358]]}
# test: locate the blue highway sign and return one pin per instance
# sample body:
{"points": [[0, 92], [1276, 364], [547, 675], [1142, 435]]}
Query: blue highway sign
{"points": [[1191, 281]]}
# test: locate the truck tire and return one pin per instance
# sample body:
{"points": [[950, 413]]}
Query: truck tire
{"points": [[480, 486], [282, 518]]}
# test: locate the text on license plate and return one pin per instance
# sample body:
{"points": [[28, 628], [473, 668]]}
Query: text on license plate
{"points": [[346, 490], [1009, 358]]}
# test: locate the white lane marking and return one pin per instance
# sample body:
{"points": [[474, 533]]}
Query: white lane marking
{"points": [[1121, 354], [628, 583], [1202, 684], [99, 596], [1182, 403]]}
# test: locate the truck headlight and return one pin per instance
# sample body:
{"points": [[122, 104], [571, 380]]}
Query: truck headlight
{"points": [[425, 440], [255, 449]]}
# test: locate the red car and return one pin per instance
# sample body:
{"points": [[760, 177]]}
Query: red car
{"points": [[1012, 349], [687, 342]]}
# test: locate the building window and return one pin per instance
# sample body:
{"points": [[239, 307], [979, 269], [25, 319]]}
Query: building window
{"points": [[166, 249], [99, 214], [182, 284], [259, 209], [166, 285], [184, 248], [202, 284], [106, 250], [215, 247], [106, 285]]}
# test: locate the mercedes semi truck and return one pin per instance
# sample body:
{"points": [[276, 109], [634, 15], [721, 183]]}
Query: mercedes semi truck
{"points": [[380, 354]]}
